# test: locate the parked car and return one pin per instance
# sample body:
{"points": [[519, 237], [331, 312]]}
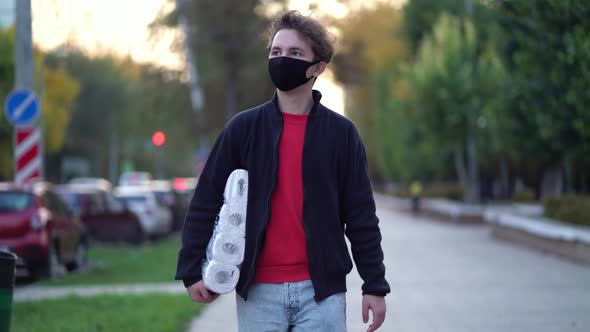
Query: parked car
{"points": [[155, 218], [170, 198], [40, 229], [100, 182], [107, 219], [135, 179], [185, 188]]}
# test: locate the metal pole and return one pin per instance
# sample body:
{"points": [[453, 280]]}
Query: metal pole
{"points": [[23, 61], [24, 66], [197, 97], [159, 162], [193, 74]]}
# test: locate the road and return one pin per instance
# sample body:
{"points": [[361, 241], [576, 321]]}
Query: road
{"points": [[453, 277]]}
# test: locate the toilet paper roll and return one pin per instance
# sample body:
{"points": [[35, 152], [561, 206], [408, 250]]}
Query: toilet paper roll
{"points": [[232, 220], [236, 187], [226, 248], [220, 278]]}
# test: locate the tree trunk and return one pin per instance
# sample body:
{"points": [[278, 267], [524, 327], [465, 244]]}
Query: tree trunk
{"points": [[472, 190], [231, 95], [460, 167], [114, 151], [567, 176], [231, 84], [504, 179], [552, 183]]}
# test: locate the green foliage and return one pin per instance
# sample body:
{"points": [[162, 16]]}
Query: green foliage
{"points": [[508, 77], [229, 43], [57, 90], [123, 103], [6, 86], [145, 313], [524, 196], [574, 209], [451, 83], [371, 45], [126, 264], [420, 17], [405, 151], [547, 45], [452, 191], [60, 90]]}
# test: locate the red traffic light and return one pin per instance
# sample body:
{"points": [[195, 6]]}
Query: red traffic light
{"points": [[158, 138]]}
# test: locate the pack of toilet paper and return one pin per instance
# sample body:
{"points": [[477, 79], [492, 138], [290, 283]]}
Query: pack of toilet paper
{"points": [[225, 251]]}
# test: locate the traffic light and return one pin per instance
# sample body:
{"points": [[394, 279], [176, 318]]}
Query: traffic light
{"points": [[158, 138]]}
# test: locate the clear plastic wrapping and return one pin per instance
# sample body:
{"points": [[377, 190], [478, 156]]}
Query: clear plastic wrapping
{"points": [[225, 251]]}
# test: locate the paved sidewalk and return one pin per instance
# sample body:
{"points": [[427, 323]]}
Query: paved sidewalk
{"points": [[37, 293], [219, 316], [456, 278]]}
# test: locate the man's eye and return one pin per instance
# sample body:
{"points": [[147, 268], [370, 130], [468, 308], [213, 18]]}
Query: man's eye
{"points": [[297, 54]]}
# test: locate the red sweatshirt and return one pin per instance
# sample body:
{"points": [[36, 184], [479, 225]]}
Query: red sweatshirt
{"points": [[284, 256]]}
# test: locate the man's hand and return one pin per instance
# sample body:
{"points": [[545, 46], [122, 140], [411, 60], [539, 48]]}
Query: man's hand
{"points": [[199, 293], [377, 306]]}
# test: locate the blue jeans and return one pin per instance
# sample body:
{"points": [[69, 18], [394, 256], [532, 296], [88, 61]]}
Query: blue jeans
{"points": [[290, 307]]}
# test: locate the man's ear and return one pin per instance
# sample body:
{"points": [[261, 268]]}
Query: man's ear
{"points": [[319, 69]]}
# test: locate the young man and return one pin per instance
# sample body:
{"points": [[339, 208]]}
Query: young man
{"points": [[308, 188]]}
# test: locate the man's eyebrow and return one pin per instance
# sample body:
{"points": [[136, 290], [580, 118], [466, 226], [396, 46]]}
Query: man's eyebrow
{"points": [[290, 48]]}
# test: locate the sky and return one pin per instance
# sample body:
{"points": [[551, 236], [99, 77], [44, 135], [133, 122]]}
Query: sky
{"points": [[122, 27]]}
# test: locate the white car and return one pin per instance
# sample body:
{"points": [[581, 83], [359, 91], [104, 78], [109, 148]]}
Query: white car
{"points": [[135, 179], [155, 218]]}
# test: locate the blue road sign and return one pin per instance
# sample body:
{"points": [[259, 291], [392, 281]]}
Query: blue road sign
{"points": [[21, 107]]}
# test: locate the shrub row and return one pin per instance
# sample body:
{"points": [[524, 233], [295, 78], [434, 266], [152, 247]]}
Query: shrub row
{"points": [[570, 208]]}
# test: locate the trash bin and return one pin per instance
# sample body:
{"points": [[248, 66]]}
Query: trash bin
{"points": [[7, 270]]}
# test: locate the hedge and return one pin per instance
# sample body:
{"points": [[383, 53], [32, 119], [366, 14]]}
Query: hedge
{"points": [[570, 208]]}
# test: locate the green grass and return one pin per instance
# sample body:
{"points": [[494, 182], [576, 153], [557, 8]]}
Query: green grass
{"points": [[145, 313], [155, 262]]}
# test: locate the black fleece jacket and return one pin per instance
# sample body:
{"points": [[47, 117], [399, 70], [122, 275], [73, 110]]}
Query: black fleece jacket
{"points": [[337, 199]]}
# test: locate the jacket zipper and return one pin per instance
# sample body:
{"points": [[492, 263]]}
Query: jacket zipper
{"points": [[274, 184], [305, 226]]}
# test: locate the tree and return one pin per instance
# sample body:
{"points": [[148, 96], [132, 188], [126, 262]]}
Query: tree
{"points": [[406, 152], [120, 104], [6, 85], [56, 88], [60, 90], [371, 42], [452, 84], [96, 111], [420, 16], [547, 47], [228, 41]]}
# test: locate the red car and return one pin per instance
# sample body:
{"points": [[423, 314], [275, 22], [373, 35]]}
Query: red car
{"points": [[37, 226], [105, 217]]}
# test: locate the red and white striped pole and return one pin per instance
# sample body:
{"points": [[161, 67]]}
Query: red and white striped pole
{"points": [[27, 154]]}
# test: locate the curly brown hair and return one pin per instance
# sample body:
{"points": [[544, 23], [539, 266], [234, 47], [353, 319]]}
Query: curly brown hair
{"points": [[311, 29]]}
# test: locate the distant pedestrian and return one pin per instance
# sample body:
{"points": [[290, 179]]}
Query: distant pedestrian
{"points": [[416, 192], [308, 188]]}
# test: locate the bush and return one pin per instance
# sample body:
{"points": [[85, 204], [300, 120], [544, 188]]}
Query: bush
{"points": [[524, 196], [574, 209], [452, 191]]}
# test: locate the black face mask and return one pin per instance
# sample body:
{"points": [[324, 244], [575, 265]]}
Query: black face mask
{"points": [[288, 73]]}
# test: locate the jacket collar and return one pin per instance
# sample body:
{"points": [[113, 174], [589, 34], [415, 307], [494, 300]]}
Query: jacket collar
{"points": [[316, 109]]}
